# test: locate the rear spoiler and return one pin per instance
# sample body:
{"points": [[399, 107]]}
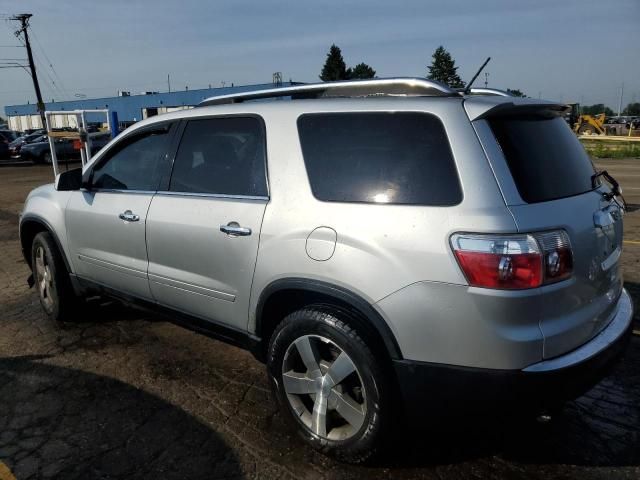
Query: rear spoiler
{"points": [[490, 106]]}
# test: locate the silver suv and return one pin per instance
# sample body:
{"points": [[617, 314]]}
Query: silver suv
{"points": [[383, 246]]}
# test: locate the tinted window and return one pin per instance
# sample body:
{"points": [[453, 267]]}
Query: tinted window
{"points": [[401, 158], [545, 157], [221, 156], [134, 163]]}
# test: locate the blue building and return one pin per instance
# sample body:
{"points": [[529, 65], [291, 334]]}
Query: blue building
{"points": [[130, 108]]}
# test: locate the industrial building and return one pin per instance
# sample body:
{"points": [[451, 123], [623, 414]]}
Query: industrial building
{"points": [[129, 107]]}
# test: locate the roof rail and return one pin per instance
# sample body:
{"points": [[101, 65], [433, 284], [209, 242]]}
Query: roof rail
{"points": [[402, 86], [489, 91]]}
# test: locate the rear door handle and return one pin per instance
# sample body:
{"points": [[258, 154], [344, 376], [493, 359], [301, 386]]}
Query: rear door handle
{"points": [[233, 229], [129, 216]]}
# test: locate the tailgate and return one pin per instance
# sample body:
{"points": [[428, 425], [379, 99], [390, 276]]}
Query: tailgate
{"points": [[575, 310], [547, 181]]}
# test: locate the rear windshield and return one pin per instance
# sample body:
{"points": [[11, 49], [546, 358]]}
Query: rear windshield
{"points": [[546, 159], [381, 157]]}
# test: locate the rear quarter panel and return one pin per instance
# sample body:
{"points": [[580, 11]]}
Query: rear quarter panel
{"points": [[380, 249]]}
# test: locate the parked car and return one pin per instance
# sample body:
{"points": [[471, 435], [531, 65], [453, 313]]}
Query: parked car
{"points": [[8, 136], [30, 131], [16, 145], [383, 254], [39, 150]]}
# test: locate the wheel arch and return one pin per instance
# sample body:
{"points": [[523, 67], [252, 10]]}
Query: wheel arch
{"points": [[30, 226], [284, 296]]}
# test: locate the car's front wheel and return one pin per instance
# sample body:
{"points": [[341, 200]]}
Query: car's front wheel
{"points": [[51, 279], [330, 383]]}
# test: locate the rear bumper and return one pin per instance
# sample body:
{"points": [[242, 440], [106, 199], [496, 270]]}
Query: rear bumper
{"points": [[426, 386]]}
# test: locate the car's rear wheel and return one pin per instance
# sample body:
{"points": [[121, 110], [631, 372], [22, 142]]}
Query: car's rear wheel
{"points": [[329, 382], [57, 298]]}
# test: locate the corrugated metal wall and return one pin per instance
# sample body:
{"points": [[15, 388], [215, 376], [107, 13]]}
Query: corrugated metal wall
{"points": [[129, 109]]}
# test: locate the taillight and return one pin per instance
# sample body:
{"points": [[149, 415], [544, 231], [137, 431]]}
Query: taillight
{"points": [[558, 257], [513, 261]]}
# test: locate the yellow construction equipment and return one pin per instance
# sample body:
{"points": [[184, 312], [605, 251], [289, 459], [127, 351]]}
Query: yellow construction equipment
{"points": [[586, 124], [590, 125]]}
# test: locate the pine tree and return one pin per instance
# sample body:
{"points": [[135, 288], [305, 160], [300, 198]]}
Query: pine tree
{"points": [[514, 92], [334, 67], [362, 71], [443, 69]]}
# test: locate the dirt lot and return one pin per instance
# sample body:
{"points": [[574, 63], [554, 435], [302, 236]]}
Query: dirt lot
{"points": [[123, 395]]}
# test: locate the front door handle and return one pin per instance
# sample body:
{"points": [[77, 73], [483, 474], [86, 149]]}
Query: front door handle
{"points": [[233, 229], [129, 216]]}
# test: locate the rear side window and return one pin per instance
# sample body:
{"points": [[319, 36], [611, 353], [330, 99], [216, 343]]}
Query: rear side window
{"points": [[224, 156], [379, 157], [546, 159]]}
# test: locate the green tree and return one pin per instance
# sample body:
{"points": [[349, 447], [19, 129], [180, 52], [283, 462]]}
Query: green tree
{"points": [[443, 69], [361, 71], [515, 92], [597, 109], [632, 109], [334, 67]]}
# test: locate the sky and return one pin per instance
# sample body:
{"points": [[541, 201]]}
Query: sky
{"points": [[567, 50]]}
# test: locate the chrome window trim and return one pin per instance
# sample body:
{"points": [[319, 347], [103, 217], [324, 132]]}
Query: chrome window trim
{"points": [[212, 195], [115, 190]]}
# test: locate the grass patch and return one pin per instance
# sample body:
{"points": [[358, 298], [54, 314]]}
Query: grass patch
{"points": [[602, 149]]}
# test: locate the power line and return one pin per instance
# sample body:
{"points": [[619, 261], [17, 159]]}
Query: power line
{"points": [[24, 22], [55, 72], [52, 91]]}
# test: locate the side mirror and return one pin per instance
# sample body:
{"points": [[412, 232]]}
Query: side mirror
{"points": [[69, 180]]}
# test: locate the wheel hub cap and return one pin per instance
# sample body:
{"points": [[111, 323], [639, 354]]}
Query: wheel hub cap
{"points": [[324, 388], [44, 277]]}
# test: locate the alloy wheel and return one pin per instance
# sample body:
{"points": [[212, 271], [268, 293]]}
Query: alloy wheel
{"points": [[324, 388], [44, 277]]}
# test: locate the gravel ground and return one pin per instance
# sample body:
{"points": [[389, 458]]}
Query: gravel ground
{"points": [[126, 395]]}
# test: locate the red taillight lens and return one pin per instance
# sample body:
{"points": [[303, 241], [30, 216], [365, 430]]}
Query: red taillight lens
{"points": [[513, 261], [501, 271]]}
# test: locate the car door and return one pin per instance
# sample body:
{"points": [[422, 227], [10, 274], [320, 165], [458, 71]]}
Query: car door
{"points": [[203, 228], [106, 222]]}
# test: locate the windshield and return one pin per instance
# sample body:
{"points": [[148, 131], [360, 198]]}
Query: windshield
{"points": [[546, 159]]}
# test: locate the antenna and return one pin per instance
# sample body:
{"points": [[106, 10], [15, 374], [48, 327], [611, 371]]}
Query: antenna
{"points": [[468, 89]]}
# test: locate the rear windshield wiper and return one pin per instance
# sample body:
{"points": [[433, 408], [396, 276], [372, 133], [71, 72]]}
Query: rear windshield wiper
{"points": [[616, 191]]}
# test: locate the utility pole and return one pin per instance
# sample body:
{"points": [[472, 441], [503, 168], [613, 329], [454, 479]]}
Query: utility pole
{"points": [[486, 79], [24, 22], [169, 82], [620, 102]]}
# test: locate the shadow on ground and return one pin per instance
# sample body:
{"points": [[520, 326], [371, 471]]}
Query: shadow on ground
{"points": [[599, 429], [70, 424]]}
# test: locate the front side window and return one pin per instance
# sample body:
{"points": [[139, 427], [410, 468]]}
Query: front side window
{"points": [[379, 157], [135, 163], [224, 156]]}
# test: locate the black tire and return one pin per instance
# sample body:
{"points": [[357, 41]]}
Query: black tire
{"points": [[331, 328], [57, 297], [46, 158]]}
